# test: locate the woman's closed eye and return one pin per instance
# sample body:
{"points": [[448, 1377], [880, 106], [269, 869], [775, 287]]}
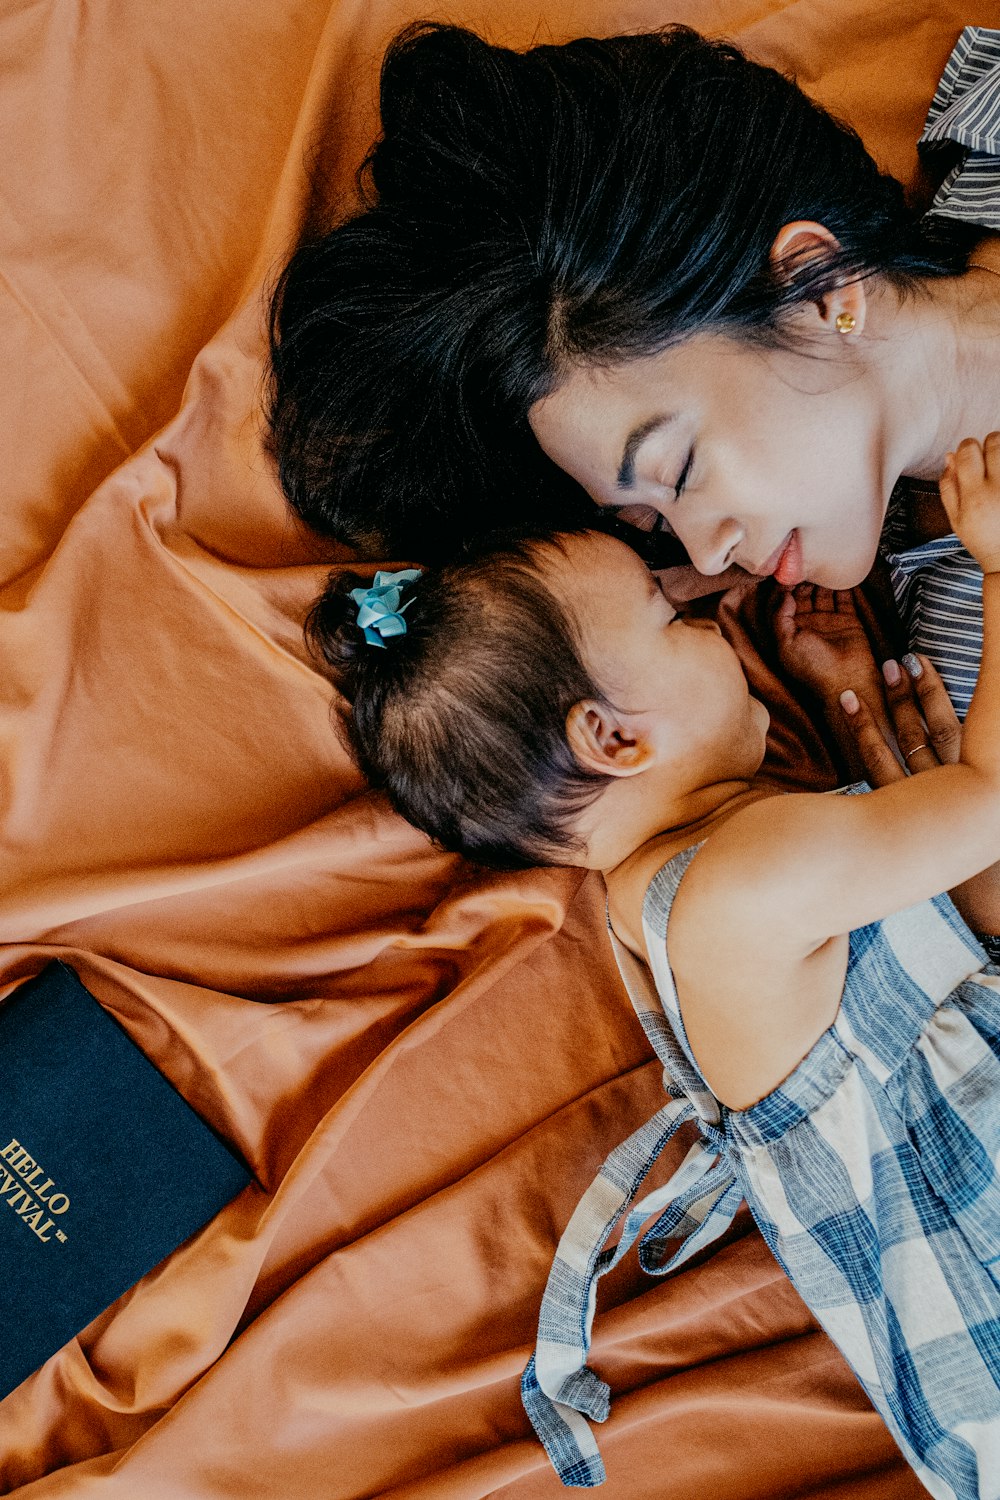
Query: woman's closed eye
{"points": [[683, 476]]}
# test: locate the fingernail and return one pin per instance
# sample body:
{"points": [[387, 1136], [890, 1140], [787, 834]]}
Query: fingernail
{"points": [[912, 664], [849, 701], [891, 672]]}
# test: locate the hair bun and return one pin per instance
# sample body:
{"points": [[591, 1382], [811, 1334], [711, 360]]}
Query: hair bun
{"points": [[332, 630], [443, 91], [353, 615]]}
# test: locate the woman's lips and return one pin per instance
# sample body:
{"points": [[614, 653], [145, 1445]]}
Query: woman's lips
{"points": [[786, 562], [789, 570]]}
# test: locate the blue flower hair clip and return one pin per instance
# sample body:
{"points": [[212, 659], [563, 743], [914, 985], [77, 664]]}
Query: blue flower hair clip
{"points": [[380, 614]]}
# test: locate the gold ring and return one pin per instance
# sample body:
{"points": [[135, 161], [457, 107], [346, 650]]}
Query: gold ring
{"points": [[908, 753]]}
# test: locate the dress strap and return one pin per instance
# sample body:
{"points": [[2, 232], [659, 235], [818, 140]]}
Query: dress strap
{"points": [[695, 1206]]}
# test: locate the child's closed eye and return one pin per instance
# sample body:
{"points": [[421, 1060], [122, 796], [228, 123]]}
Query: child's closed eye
{"points": [[645, 518]]}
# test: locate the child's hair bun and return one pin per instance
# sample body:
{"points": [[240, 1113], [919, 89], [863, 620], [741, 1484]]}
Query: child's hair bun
{"points": [[332, 628], [356, 624]]}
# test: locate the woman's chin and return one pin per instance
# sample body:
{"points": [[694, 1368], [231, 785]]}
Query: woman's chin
{"points": [[842, 572]]}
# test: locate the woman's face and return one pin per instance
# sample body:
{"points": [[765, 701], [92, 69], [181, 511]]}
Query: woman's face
{"points": [[771, 459]]}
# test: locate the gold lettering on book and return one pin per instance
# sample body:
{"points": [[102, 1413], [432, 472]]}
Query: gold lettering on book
{"points": [[32, 1208]]}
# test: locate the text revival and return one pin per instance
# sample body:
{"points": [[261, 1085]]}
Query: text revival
{"points": [[37, 1207]]}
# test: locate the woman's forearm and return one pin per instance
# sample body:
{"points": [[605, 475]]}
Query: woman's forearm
{"points": [[978, 900]]}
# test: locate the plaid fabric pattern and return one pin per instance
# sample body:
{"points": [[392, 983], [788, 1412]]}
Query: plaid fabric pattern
{"points": [[695, 1206], [873, 1173], [938, 585]]}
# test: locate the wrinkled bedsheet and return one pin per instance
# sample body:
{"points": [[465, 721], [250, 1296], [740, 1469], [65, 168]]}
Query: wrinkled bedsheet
{"points": [[423, 1066]]}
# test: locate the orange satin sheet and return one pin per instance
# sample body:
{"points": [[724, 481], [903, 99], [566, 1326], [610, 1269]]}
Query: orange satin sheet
{"points": [[453, 1056]]}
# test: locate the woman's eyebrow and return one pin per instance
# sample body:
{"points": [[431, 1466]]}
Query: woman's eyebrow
{"points": [[638, 435]]}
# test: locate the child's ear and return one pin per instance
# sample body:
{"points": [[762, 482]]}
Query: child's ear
{"points": [[603, 742]]}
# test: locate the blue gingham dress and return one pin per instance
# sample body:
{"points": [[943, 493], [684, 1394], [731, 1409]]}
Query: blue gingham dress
{"points": [[872, 1173]]}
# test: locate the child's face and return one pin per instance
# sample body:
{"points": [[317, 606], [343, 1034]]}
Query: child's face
{"points": [[677, 679]]}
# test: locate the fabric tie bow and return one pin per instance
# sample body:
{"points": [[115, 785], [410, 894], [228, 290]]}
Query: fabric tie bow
{"points": [[380, 614]]}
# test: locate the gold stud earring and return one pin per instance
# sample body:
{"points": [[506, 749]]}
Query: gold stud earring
{"points": [[846, 322]]}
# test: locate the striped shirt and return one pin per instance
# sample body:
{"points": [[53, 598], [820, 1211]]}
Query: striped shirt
{"points": [[938, 585]]}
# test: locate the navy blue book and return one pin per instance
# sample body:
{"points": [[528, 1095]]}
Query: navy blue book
{"points": [[104, 1168]]}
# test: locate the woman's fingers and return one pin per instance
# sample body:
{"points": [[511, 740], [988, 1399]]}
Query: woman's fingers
{"points": [[926, 727], [944, 732], [905, 712], [875, 752]]}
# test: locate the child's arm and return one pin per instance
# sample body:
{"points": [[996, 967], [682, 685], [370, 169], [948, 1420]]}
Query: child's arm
{"points": [[927, 729], [900, 722], [782, 877]]}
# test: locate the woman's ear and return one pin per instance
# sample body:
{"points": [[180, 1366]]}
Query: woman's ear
{"points": [[602, 742], [841, 310]]}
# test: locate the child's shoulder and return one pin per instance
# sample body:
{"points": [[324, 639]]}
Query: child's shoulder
{"points": [[628, 883]]}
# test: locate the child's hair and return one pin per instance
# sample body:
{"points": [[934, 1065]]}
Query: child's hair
{"points": [[461, 721]]}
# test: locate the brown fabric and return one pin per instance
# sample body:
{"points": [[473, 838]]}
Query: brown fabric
{"points": [[453, 1056]]}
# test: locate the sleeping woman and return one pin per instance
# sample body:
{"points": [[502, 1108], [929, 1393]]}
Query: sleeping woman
{"points": [[649, 275]]}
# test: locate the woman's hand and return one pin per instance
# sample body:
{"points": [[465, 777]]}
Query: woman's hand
{"points": [[923, 728]]}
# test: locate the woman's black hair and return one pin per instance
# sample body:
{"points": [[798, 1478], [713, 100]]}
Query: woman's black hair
{"points": [[595, 201], [461, 721]]}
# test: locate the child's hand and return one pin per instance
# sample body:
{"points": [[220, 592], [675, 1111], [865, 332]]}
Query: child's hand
{"points": [[970, 493], [822, 642]]}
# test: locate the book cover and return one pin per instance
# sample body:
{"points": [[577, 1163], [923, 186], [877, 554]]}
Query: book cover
{"points": [[104, 1168]]}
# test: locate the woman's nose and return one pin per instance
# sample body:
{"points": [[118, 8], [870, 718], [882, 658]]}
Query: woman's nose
{"points": [[713, 549]]}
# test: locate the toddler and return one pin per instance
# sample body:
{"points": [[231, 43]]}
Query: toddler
{"points": [[824, 1014]]}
